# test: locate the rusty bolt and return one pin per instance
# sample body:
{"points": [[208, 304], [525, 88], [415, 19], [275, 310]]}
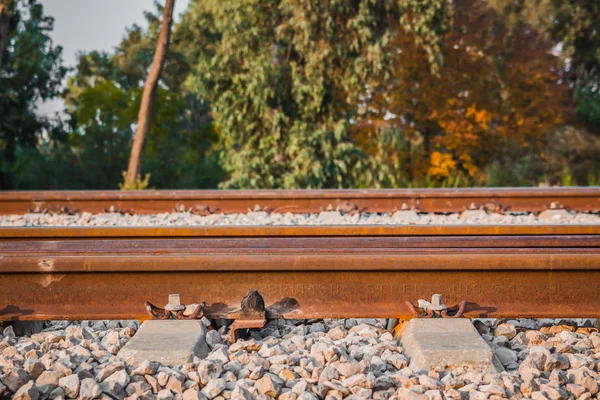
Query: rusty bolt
{"points": [[174, 303]]}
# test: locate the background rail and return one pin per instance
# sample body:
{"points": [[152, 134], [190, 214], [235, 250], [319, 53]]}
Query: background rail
{"points": [[302, 201]]}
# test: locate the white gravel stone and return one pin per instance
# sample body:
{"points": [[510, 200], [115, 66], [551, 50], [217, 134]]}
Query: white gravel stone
{"points": [[290, 360], [404, 217], [507, 330], [214, 388]]}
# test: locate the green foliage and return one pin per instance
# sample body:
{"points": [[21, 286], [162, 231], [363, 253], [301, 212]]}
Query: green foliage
{"points": [[103, 100], [588, 106], [275, 93], [139, 184], [574, 26], [285, 77], [31, 72]]}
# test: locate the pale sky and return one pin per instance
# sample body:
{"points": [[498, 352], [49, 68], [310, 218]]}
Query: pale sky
{"points": [[85, 25]]}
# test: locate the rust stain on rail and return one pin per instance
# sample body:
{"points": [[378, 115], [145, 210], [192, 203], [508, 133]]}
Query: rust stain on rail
{"points": [[310, 294]]}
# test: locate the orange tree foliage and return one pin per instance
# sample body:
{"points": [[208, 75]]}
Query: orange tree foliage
{"points": [[498, 90]]}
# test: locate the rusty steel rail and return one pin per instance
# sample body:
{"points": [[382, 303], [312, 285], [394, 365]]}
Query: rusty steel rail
{"points": [[302, 201], [301, 272]]}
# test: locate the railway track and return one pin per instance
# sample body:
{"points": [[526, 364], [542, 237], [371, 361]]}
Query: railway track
{"points": [[535, 270], [303, 201], [301, 272]]}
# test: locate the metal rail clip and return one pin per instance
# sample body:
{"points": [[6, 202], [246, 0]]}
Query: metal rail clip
{"points": [[175, 310], [436, 309], [252, 314]]}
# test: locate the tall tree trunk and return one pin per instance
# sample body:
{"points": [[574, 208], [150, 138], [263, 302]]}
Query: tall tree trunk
{"points": [[6, 7], [162, 46]]}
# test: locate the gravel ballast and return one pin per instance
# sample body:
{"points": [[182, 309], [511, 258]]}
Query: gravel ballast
{"points": [[296, 360], [323, 218]]}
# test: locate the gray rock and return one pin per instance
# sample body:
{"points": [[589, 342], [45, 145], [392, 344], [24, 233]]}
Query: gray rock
{"points": [[108, 369], [307, 396], [328, 374], [557, 361], [27, 392], [89, 389], [33, 367], [559, 377], [193, 394], [269, 385], [57, 393], [554, 393], [15, 377], [214, 388], [174, 384], [300, 387], [240, 393], [528, 324], [575, 390], [430, 383], [138, 388], [337, 333], [288, 396], [350, 369], [219, 354], [146, 368], [326, 217], [507, 330], [165, 394], [70, 385], [535, 360], [213, 338], [119, 377], [112, 389], [506, 356], [8, 332], [208, 370]]}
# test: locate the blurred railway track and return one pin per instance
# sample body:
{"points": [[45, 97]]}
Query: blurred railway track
{"points": [[303, 201]]}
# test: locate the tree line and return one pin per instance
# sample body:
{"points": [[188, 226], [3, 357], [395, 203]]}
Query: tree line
{"points": [[309, 94]]}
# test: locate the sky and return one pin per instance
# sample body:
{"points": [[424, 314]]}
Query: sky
{"points": [[85, 25]]}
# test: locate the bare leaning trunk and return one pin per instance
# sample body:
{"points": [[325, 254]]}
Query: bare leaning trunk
{"points": [[162, 46]]}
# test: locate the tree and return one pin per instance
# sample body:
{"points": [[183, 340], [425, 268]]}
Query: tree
{"points": [[6, 11], [31, 72], [574, 27], [162, 46], [285, 77], [103, 98], [498, 91]]}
